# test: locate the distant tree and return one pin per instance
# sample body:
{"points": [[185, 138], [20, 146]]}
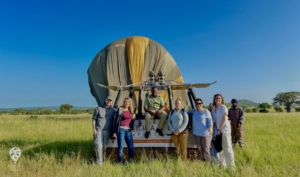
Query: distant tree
{"points": [[65, 108], [264, 107], [278, 109], [20, 111], [56, 112], [287, 99], [297, 109], [5, 112], [262, 110], [14, 112], [31, 112], [254, 109], [90, 111], [48, 112], [248, 110], [77, 111], [40, 110]]}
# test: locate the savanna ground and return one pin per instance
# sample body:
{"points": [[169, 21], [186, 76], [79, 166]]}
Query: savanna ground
{"points": [[61, 145]]}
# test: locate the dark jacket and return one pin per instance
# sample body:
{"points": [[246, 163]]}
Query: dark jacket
{"points": [[236, 114], [217, 140], [117, 121]]}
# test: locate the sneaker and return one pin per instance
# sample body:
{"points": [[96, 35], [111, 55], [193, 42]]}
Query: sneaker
{"points": [[159, 132], [147, 135]]}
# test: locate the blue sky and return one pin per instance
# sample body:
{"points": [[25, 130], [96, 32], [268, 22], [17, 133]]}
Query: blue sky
{"points": [[251, 47]]}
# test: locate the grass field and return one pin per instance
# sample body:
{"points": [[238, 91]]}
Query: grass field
{"points": [[61, 145]]}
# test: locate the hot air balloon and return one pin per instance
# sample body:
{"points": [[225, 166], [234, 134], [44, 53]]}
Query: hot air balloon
{"points": [[131, 67], [128, 61]]}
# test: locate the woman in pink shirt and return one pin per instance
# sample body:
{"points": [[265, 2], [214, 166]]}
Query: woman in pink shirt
{"points": [[122, 129]]}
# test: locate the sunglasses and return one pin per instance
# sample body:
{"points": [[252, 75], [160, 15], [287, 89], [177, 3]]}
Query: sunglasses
{"points": [[198, 103]]}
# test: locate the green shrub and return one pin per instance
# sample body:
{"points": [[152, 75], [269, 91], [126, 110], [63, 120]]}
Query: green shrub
{"points": [[263, 110], [278, 109], [254, 110], [248, 110]]}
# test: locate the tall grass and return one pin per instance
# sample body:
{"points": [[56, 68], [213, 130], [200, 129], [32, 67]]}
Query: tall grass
{"points": [[62, 146]]}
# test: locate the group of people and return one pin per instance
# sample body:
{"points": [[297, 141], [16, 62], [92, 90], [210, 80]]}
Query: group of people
{"points": [[206, 124]]}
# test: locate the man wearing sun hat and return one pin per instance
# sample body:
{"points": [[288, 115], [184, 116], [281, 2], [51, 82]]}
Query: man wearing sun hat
{"points": [[102, 122], [237, 118]]}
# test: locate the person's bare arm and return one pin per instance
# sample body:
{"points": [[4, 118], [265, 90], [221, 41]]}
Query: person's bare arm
{"points": [[210, 129], [94, 127], [222, 123], [94, 122]]}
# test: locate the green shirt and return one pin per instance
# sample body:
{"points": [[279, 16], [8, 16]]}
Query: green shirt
{"points": [[154, 103]]}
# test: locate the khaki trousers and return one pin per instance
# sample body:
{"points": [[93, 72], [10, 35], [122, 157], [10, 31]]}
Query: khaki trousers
{"points": [[163, 117], [203, 144], [180, 141]]}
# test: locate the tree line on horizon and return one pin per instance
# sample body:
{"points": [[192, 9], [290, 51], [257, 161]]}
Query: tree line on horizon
{"points": [[64, 109], [282, 101]]}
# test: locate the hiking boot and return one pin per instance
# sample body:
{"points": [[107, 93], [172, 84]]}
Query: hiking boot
{"points": [[159, 132], [147, 135]]}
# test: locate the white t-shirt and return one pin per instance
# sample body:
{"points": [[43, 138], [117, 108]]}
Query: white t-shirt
{"points": [[217, 117]]}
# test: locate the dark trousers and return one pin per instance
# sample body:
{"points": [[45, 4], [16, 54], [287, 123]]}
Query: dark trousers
{"points": [[237, 134]]}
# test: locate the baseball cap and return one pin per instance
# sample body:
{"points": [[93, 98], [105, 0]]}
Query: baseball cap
{"points": [[109, 98]]}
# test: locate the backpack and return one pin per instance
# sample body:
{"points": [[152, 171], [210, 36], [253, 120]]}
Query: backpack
{"points": [[189, 125]]}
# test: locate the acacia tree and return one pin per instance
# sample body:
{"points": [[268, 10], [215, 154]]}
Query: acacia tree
{"points": [[20, 111], [5, 112], [65, 108], [287, 99]]}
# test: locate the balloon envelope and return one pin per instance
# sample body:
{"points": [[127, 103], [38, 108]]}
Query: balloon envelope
{"points": [[127, 61]]}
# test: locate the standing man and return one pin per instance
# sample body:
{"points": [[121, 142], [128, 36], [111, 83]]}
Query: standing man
{"points": [[236, 115], [102, 122], [154, 106]]}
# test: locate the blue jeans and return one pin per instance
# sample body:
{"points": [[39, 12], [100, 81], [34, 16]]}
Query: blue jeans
{"points": [[125, 134]]}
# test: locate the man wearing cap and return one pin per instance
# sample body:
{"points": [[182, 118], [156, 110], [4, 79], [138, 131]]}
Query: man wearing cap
{"points": [[102, 122], [154, 106], [236, 115]]}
